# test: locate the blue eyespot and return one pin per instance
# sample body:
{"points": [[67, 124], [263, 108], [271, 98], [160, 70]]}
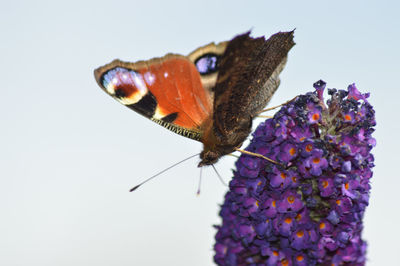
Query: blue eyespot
{"points": [[207, 64]]}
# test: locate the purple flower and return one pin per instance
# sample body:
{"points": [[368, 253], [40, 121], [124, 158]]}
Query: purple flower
{"points": [[319, 86], [251, 166], [354, 94], [309, 210], [300, 259], [270, 208], [307, 148], [290, 202], [300, 134], [287, 152], [325, 227], [316, 163], [285, 225], [281, 179], [314, 113], [349, 117], [326, 186]]}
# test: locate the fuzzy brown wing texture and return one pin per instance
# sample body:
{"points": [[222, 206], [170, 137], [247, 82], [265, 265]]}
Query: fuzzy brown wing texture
{"points": [[248, 77]]}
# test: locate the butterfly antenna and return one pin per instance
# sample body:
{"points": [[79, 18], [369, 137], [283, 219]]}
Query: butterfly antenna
{"points": [[259, 156], [219, 176], [272, 108], [198, 188], [159, 173]]}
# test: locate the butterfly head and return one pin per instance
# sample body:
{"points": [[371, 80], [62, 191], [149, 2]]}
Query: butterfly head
{"points": [[208, 157]]}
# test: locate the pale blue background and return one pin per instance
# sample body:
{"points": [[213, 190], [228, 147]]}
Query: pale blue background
{"points": [[69, 153]]}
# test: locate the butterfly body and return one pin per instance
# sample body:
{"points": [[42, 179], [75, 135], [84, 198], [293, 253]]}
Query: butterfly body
{"points": [[211, 95]]}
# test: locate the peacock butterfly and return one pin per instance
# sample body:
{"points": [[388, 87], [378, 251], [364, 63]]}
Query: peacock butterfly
{"points": [[211, 95]]}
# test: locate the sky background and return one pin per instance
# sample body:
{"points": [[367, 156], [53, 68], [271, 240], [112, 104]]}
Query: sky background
{"points": [[69, 153]]}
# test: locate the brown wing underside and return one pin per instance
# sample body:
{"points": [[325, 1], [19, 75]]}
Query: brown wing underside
{"points": [[247, 79]]}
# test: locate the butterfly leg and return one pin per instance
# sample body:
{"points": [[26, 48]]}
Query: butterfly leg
{"points": [[264, 116], [219, 176], [259, 156], [272, 108]]}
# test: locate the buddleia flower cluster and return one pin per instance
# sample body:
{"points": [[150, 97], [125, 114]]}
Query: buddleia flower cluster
{"points": [[308, 208]]}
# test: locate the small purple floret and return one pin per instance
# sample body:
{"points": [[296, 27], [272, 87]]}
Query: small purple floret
{"points": [[308, 209]]}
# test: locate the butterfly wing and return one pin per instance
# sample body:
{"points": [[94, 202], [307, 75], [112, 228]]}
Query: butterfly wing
{"points": [[247, 79], [174, 91], [211, 95]]}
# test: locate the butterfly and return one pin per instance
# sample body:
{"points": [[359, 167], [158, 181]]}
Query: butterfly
{"points": [[211, 95]]}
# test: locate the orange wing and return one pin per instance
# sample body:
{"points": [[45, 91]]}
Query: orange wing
{"points": [[174, 91]]}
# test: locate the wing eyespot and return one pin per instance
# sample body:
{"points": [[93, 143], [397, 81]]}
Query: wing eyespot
{"points": [[120, 93], [207, 63]]}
